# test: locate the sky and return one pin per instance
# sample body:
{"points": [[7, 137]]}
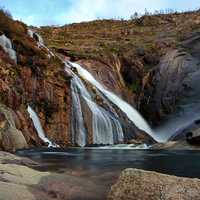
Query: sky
{"points": [[60, 12]]}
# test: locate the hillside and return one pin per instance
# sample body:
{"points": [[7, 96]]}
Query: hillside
{"points": [[33, 78], [151, 62], [133, 47]]}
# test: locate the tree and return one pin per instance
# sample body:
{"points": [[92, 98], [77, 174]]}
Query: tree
{"points": [[134, 16]]}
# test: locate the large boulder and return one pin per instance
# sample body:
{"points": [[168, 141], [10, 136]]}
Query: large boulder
{"points": [[10, 137], [134, 184]]}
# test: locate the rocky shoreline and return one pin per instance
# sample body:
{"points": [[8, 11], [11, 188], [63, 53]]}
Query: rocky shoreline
{"points": [[19, 179]]}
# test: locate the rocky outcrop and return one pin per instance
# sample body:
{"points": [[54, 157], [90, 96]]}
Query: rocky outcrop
{"points": [[19, 181], [51, 99], [174, 145], [173, 82], [136, 184], [10, 137]]}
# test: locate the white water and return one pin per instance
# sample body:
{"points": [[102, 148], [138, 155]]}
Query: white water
{"points": [[78, 128], [7, 46], [131, 112], [40, 42], [106, 129], [179, 121], [38, 127], [125, 146]]}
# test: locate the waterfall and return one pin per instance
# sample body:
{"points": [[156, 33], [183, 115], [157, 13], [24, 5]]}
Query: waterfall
{"points": [[7, 46], [40, 41], [38, 127], [106, 128], [78, 128], [131, 112]]}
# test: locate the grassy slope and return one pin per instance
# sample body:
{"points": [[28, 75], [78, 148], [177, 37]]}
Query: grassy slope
{"points": [[138, 44], [152, 34]]}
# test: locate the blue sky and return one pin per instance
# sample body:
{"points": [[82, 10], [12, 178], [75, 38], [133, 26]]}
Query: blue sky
{"points": [[59, 12]]}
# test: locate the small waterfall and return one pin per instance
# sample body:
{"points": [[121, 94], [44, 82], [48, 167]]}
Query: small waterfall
{"points": [[40, 41], [131, 112], [38, 127], [7, 46], [106, 128]]}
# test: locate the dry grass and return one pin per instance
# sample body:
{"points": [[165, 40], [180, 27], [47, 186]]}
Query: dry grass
{"points": [[152, 33]]}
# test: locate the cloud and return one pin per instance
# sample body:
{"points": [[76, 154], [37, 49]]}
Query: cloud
{"points": [[48, 12], [85, 10]]}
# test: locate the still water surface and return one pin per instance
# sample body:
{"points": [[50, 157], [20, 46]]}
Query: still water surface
{"points": [[98, 161]]}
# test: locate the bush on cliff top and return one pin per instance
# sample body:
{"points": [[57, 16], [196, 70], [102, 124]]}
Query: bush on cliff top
{"points": [[9, 26]]}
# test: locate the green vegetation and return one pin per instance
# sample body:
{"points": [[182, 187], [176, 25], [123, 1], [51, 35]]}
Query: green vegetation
{"points": [[134, 87]]}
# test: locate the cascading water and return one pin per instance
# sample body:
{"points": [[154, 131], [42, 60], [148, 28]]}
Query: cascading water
{"points": [[131, 113], [106, 128], [7, 46], [38, 127], [40, 41], [78, 128]]}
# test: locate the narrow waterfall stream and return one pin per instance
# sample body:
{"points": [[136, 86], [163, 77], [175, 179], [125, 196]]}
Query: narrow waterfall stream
{"points": [[6, 44], [38, 127]]}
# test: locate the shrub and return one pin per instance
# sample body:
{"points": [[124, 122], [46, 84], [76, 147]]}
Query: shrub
{"points": [[9, 26]]}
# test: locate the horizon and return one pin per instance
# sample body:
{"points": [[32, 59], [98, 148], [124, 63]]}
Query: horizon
{"points": [[37, 13]]}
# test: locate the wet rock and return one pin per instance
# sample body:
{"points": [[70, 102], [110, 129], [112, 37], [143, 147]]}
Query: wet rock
{"points": [[18, 181], [173, 82], [174, 145], [193, 137], [134, 184]]}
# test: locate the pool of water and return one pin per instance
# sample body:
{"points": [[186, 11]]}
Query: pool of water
{"points": [[90, 162]]}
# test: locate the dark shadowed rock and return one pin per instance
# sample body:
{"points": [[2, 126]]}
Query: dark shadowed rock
{"points": [[193, 137], [173, 82]]}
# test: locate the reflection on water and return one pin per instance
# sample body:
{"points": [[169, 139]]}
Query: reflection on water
{"points": [[92, 162]]}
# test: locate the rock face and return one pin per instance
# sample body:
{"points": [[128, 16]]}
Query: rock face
{"points": [[173, 82], [10, 137], [136, 184], [37, 79]]}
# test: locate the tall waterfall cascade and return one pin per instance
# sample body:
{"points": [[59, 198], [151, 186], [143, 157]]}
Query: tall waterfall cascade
{"points": [[38, 127], [7, 47], [130, 112], [106, 128]]}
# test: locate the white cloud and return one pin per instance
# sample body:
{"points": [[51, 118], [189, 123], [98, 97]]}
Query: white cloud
{"points": [[60, 12], [85, 10]]}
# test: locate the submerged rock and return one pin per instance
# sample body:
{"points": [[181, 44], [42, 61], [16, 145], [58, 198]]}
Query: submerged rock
{"points": [[134, 184]]}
